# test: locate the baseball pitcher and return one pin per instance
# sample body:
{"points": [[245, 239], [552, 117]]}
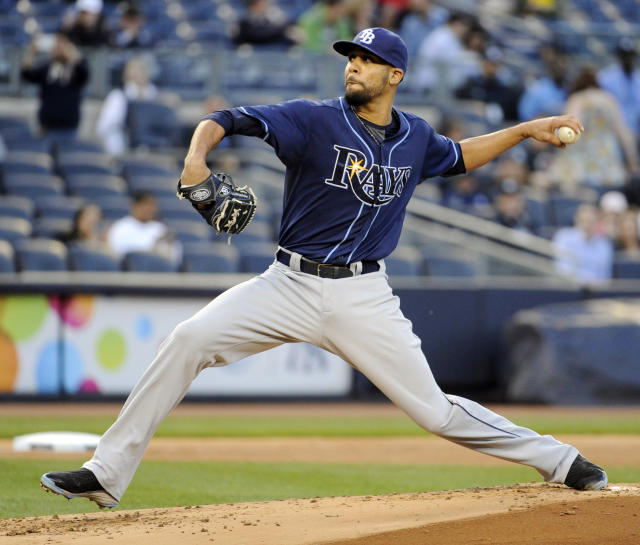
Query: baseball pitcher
{"points": [[352, 164]]}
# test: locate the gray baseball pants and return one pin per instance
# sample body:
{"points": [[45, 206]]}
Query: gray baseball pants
{"points": [[358, 319]]}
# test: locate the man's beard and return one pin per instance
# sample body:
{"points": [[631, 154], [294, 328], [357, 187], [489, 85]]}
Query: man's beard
{"points": [[358, 98]]}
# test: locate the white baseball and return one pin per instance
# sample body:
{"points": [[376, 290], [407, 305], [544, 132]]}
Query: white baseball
{"points": [[567, 135]]}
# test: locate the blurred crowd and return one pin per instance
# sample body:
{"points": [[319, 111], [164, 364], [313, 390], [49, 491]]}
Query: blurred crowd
{"points": [[598, 176]]}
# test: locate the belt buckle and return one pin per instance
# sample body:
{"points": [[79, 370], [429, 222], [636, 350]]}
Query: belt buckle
{"points": [[319, 268]]}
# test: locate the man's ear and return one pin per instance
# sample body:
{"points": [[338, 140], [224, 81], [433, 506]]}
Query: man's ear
{"points": [[396, 76]]}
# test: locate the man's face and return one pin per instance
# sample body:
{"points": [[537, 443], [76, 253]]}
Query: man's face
{"points": [[145, 210], [366, 77]]}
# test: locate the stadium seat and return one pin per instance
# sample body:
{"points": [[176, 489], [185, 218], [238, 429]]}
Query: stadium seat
{"points": [[24, 166], [149, 166], [7, 261], [562, 209], [172, 208], [41, 254], [256, 258], [161, 186], [114, 208], [215, 257], [15, 206], [449, 266], [404, 261], [14, 128], [258, 232], [148, 262], [191, 230], [92, 257], [61, 206], [33, 186], [14, 230], [626, 267], [52, 227], [152, 125], [94, 188]]}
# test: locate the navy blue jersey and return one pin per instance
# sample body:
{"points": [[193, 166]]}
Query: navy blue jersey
{"points": [[345, 194]]}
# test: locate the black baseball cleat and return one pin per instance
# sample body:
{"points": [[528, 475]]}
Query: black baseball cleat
{"points": [[80, 483], [584, 475]]}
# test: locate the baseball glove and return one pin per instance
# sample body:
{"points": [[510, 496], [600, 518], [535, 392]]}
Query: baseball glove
{"points": [[223, 205]]}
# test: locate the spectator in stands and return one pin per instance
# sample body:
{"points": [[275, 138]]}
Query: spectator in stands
{"points": [[613, 205], [464, 195], [487, 87], [264, 24], [391, 12], [86, 225], [606, 154], [582, 251], [443, 60], [61, 78], [111, 122], [140, 231], [85, 24], [323, 23], [421, 18], [510, 207], [622, 80], [627, 242], [131, 30], [545, 95]]}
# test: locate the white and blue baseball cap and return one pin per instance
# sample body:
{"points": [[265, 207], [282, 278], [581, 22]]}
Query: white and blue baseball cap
{"points": [[381, 42]]}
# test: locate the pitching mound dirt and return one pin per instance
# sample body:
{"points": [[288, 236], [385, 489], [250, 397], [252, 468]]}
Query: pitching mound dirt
{"points": [[524, 514]]}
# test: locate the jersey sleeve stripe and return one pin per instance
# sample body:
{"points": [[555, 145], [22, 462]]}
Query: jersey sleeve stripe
{"points": [[266, 127]]}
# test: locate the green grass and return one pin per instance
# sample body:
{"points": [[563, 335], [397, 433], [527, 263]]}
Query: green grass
{"points": [[163, 484], [290, 426]]}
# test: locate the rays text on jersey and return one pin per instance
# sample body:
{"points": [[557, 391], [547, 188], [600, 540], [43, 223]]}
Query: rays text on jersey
{"points": [[351, 170]]}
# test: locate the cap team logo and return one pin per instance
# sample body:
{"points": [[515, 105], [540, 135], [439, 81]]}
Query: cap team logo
{"points": [[374, 185], [366, 36]]}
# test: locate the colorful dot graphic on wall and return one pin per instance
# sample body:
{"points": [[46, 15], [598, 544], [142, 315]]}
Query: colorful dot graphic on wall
{"points": [[75, 311], [111, 349], [48, 370], [144, 327], [21, 316], [8, 363]]}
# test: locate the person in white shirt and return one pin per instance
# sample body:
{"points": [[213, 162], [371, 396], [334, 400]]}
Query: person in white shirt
{"points": [[140, 231], [443, 58], [111, 123], [583, 252]]}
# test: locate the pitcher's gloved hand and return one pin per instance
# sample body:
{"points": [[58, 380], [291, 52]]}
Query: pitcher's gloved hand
{"points": [[223, 205]]}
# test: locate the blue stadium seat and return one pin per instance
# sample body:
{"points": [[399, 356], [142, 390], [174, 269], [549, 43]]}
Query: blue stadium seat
{"points": [[152, 125], [94, 188], [61, 206], [75, 145], [626, 267], [14, 230], [114, 208], [41, 254], [15, 206], [22, 167], [33, 186], [210, 258], [256, 258], [538, 210], [258, 232], [52, 227], [7, 259], [14, 128], [92, 257], [172, 208], [449, 266], [562, 209], [193, 230], [151, 166], [404, 261], [162, 188], [148, 262]]}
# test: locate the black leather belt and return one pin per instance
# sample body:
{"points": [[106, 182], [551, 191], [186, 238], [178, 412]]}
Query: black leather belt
{"points": [[326, 270]]}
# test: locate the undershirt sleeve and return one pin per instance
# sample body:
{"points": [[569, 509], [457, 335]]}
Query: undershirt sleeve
{"points": [[233, 121]]}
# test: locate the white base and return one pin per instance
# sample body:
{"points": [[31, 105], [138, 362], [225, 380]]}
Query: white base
{"points": [[56, 441]]}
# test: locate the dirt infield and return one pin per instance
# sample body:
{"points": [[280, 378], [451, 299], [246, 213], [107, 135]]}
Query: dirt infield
{"points": [[527, 514]]}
